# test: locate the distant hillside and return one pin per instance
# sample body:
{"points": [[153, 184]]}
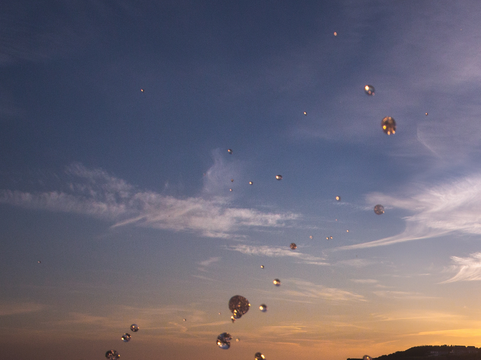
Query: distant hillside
{"points": [[434, 352]]}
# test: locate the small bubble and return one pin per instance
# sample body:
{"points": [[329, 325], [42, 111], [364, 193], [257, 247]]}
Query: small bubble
{"points": [[330, 237], [251, 183], [388, 125], [231, 180], [426, 114], [379, 209], [112, 355], [347, 230], [305, 113], [184, 320], [366, 357], [219, 312], [134, 327], [223, 341], [230, 189], [229, 151], [310, 237], [263, 307], [259, 356], [237, 339], [239, 305], [338, 198], [126, 337], [141, 90], [276, 282], [293, 246], [335, 33], [327, 238], [262, 266], [39, 262], [369, 89], [232, 318], [278, 177]]}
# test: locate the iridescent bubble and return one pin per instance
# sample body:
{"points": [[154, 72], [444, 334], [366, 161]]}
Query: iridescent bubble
{"points": [[369, 89], [263, 307], [278, 177], [379, 209], [276, 282], [239, 305], [293, 246], [259, 356], [126, 337], [112, 355], [229, 151], [338, 198], [223, 341], [388, 125], [366, 357], [251, 183], [134, 327], [262, 266]]}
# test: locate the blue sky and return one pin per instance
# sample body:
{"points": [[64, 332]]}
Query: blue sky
{"points": [[116, 195]]}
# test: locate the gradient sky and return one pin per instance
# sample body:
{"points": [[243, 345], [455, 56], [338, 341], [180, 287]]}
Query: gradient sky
{"points": [[115, 203]]}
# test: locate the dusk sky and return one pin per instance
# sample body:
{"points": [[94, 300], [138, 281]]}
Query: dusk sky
{"points": [[120, 203]]}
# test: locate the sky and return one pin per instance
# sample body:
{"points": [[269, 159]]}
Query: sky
{"points": [[120, 203]]}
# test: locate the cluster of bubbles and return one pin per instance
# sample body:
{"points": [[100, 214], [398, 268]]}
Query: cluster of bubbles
{"points": [[293, 246], [379, 209], [113, 354], [328, 237], [223, 341]]}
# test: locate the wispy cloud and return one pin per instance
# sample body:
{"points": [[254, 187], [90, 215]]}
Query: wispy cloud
{"points": [[20, 308], [206, 263], [98, 194], [468, 269], [365, 281], [438, 210], [404, 295], [310, 290], [277, 251]]}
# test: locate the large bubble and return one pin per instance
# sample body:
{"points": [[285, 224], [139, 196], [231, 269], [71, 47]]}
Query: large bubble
{"points": [[388, 125], [134, 327], [293, 246], [126, 337], [379, 209], [238, 305], [223, 341]]}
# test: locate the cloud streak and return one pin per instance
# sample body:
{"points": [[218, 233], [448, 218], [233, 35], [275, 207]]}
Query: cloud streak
{"points": [[468, 269], [438, 211], [98, 194]]}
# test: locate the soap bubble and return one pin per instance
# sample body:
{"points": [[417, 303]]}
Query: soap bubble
{"points": [[335, 33], [263, 307], [251, 183], [237, 339], [134, 327], [223, 341], [369, 89], [388, 125], [347, 230], [426, 114], [259, 356], [232, 318], [276, 282], [39, 262], [379, 209], [262, 266], [141, 90], [184, 320], [310, 237], [305, 113], [278, 177], [112, 355], [231, 180], [293, 246], [229, 151], [338, 198], [126, 337], [366, 357], [239, 305], [230, 189]]}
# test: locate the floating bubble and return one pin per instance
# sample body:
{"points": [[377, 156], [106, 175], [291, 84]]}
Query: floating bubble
{"points": [[230, 189], [347, 230], [184, 320], [310, 237], [327, 237], [335, 33], [278, 177], [223, 341], [237, 339], [231, 180], [379, 209], [134, 327], [232, 318], [366, 357], [369, 89], [112, 355], [141, 90], [126, 337], [39, 262], [219, 312], [229, 151], [276, 282], [259, 356], [263, 307], [338, 198], [236, 315], [262, 266], [251, 183], [239, 305], [305, 113], [426, 114], [330, 237], [293, 246], [388, 125]]}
